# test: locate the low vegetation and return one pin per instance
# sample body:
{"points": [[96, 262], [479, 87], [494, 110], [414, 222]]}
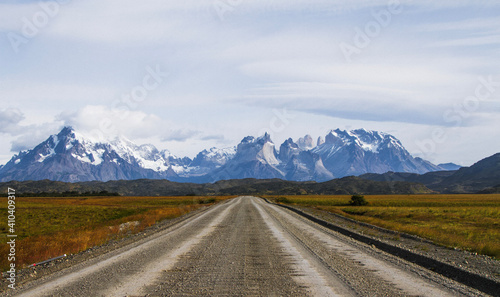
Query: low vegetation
{"points": [[358, 200], [52, 226], [470, 222]]}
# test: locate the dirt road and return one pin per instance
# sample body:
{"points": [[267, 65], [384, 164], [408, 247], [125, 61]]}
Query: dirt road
{"points": [[246, 247]]}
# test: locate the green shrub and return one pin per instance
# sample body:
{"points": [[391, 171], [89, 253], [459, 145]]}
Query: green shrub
{"points": [[283, 200], [358, 200], [206, 200]]}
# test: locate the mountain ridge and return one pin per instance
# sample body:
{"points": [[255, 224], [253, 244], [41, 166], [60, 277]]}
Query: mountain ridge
{"points": [[481, 177], [71, 157]]}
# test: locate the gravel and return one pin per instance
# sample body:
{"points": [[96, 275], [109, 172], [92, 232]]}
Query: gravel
{"points": [[243, 247], [481, 265]]}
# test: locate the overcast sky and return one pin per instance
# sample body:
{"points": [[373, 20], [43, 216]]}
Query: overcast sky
{"points": [[193, 74]]}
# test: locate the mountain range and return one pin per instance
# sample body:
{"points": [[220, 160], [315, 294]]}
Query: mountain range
{"points": [[71, 157], [481, 177]]}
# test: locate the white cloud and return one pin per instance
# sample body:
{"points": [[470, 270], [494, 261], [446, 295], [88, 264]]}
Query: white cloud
{"points": [[12, 15], [483, 24], [103, 122], [9, 119], [227, 74], [22, 136], [52, 94], [126, 22], [472, 41]]}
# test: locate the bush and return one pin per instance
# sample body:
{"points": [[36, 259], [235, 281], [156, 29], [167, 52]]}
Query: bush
{"points": [[206, 201], [282, 200], [358, 200]]}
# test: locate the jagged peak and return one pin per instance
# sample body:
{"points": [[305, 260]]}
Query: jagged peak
{"points": [[335, 135], [265, 138], [66, 130], [306, 142], [290, 141], [320, 141], [368, 140], [260, 140], [248, 139]]}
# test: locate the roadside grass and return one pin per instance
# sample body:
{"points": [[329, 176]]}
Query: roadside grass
{"points": [[469, 222], [49, 227]]}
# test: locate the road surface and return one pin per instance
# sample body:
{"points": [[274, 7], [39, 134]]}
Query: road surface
{"points": [[245, 247]]}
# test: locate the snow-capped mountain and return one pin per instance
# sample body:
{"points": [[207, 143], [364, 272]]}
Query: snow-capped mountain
{"points": [[254, 158], [70, 156], [305, 143], [361, 151], [208, 160], [300, 164]]}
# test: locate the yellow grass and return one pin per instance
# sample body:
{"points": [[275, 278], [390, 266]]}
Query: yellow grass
{"points": [[50, 227], [470, 222]]}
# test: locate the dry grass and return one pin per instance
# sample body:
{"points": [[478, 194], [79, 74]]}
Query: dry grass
{"points": [[470, 222], [50, 227]]}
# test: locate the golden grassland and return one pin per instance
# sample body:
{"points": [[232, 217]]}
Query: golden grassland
{"points": [[50, 227], [470, 222]]}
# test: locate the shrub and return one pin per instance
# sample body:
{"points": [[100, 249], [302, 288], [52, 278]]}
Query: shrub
{"points": [[358, 200], [206, 200], [282, 200]]}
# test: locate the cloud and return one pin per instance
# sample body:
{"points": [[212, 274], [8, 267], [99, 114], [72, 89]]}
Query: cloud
{"points": [[23, 136], [217, 137], [123, 21], [9, 120], [179, 135], [13, 13], [30, 136], [482, 24], [104, 122], [227, 73], [473, 41]]}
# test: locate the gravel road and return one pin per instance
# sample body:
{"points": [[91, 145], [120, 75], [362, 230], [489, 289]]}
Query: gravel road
{"points": [[245, 247]]}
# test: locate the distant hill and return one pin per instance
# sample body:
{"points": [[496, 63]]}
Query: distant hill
{"points": [[430, 179], [492, 190], [146, 187], [483, 176]]}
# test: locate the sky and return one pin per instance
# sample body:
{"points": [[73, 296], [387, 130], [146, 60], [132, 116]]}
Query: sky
{"points": [[193, 74]]}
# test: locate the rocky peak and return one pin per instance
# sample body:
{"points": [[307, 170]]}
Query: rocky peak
{"points": [[305, 143]]}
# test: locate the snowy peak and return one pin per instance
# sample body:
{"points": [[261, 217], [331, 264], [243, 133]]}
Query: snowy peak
{"points": [[302, 164], [361, 151], [367, 140], [254, 158], [305, 143], [68, 141], [288, 149], [266, 138], [266, 152], [72, 156], [214, 157]]}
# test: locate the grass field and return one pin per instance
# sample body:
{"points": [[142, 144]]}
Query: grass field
{"points": [[50, 227], [470, 222]]}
